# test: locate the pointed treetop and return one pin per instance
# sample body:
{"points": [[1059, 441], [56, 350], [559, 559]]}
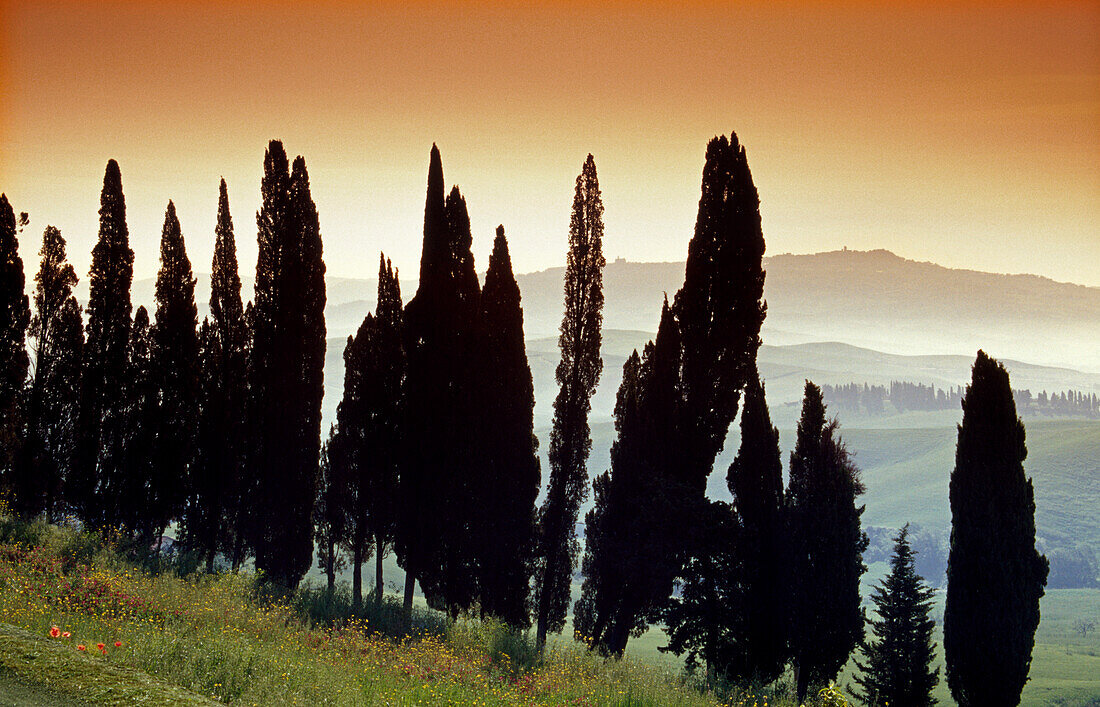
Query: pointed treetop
{"points": [[433, 260]]}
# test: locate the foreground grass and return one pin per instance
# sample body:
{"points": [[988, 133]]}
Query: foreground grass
{"points": [[210, 635]]}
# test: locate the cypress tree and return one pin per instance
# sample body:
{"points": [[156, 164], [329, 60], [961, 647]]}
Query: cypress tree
{"points": [[58, 333], [690, 389], [286, 368], [827, 545], [15, 315], [755, 480], [175, 367], [218, 499], [995, 577], [104, 380], [577, 374], [898, 668], [442, 343], [510, 481], [135, 489], [329, 513]]}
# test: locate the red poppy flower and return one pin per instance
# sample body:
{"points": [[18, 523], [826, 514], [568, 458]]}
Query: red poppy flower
{"points": [[66, 634], [54, 632], [118, 644], [81, 647]]}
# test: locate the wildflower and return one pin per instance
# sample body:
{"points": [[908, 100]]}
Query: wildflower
{"points": [[66, 634], [118, 644], [81, 647], [54, 632]]}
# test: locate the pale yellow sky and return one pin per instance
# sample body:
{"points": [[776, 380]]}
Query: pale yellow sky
{"points": [[964, 134]]}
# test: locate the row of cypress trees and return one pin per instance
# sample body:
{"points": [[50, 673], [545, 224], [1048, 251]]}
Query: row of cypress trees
{"points": [[133, 423]]}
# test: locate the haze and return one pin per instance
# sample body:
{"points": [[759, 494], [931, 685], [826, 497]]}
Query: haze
{"points": [[964, 134]]}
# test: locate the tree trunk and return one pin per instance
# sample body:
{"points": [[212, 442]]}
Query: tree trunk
{"points": [[330, 567], [410, 586], [210, 561], [357, 576], [544, 605], [378, 570], [800, 683]]}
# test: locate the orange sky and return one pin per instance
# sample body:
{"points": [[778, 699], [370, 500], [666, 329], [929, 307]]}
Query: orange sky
{"points": [[965, 134]]}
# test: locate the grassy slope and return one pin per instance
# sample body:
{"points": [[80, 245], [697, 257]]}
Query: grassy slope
{"points": [[38, 670]]}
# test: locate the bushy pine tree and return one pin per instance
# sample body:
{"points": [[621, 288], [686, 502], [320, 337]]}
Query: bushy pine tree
{"points": [[175, 369], [218, 500], [365, 449], [95, 482], [577, 374], [53, 402], [15, 315], [691, 389], [898, 664], [995, 577], [827, 547], [509, 483], [285, 371], [755, 480]]}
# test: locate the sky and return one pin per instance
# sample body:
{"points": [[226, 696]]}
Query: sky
{"points": [[966, 134]]}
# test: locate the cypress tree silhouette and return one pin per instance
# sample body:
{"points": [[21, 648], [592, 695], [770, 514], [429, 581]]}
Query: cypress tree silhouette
{"points": [[995, 577], [690, 390], [286, 364], [365, 447], [218, 501], [898, 668], [827, 546], [104, 381], [577, 374], [53, 401], [15, 315], [175, 368], [135, 486], [755, 480], [434, 544], [510, 481], [329, 513]]}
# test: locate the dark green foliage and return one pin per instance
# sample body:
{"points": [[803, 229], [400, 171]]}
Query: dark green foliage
{"points": [[15, 315], [707, 621], [134, 486], [175, 370], [995, 577], [898, 668], [329, 523], [577, 374], [442, 342], [509, 482], [285, 371], [827, 547], [218, 501], [755, 481], [52, 401], [689, 389], [95, 483], [365, 448]]}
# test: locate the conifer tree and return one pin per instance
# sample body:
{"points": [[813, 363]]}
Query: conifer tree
{"points": [[14, 317], [219, 499], [755, 481], [827, 547], [898, 668], [509, 483], [995, 577], [329, 514], [442, 343], [285, 372], [105, 374], [690, 391], [52, 406], [175, 368], [134, 488], [577, 374]]}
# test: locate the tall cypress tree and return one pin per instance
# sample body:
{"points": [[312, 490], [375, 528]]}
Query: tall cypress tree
{"points": [[441, 341], [691, 389], [827, 545], [329, 512], [104, 380], [995, 577], [510, 481], [175, 367], [135, 488], [286, 367], [52, 406], [218, 501], [577, 374], [755, 480], [898, 669], [15, 315]]}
